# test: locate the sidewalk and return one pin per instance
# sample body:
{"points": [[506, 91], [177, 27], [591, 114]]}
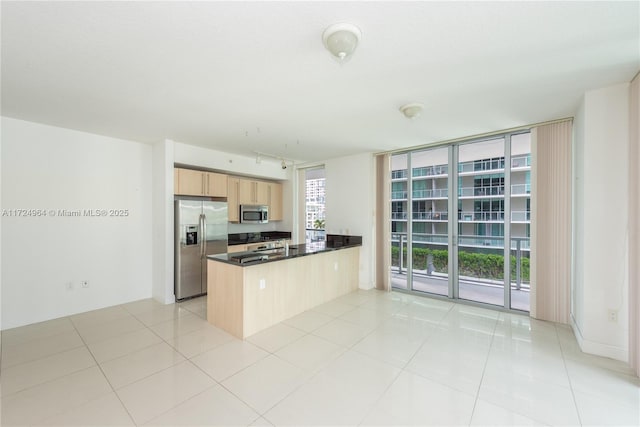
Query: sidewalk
{"points": [[471, 288]]}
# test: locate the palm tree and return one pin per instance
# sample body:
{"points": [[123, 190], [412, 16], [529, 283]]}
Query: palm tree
{"points": [[318, 224]]}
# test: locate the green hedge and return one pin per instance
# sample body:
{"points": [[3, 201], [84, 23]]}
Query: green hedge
{"points": [[488, 266]]}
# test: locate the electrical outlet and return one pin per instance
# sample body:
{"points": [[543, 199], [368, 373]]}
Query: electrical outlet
{"points": [[84, 283], [613, 316], [335, 266], [263, 284], [69, 286]]}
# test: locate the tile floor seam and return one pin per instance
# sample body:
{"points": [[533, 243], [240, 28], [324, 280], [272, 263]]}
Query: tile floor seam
{"points": [[244, 401], [335, 343], [42, 357], [262, 414], [484, 368], [55, 378], [64, 411], [150, 422], [132, 352], [142, 378], [366, 335], [573, 394], [202, 370], [293, 326], [39, 338], [375, 403], [105, 376], [172, 407], [113, 390], [161, 338], [426, 340], [145, 377], [317, 368], [304, 333]]}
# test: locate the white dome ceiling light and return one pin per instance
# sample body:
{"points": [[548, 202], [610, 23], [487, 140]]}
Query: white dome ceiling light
{"points": [[412, 110], [341, 40]]}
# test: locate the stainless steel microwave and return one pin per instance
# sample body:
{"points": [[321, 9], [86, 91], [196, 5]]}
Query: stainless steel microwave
{"points": [[254, 214]]}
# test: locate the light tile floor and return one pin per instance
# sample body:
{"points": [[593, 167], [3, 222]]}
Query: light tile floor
{"points": [[368, 358]]}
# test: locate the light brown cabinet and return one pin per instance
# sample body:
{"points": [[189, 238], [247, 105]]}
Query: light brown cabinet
{"points": [[233, 201], [216, 184], [236, 248], [242, 191], [189, 182], [244, 300], [253, 192], [275, 202]]}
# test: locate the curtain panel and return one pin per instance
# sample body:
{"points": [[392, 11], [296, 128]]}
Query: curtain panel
{"points": [[383, 222], [634, 225], [551, 221]]}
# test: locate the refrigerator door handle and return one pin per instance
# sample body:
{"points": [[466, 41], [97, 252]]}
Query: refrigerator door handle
{"points": [[201, 226], [204, 236]]}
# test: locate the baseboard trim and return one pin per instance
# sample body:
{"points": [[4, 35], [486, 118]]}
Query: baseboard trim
{"points": [[596, 348]]}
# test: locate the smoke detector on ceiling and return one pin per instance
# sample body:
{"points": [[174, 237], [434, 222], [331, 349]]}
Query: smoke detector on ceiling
{"points": [[412, 110]]}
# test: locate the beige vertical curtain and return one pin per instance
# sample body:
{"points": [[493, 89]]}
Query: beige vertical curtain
{"points": [[634, 225], [301, 207], [383, 222], [551, 221]]}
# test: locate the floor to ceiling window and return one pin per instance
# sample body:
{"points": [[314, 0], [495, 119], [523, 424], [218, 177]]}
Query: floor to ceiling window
{"points": [[314, 193], [464, 255]]}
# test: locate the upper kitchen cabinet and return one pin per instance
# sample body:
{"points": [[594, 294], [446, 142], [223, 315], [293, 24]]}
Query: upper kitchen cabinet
{"points": [[252, 192], [189, 182], [216, 184], [242, 191], [275, 201], [233, 201]]}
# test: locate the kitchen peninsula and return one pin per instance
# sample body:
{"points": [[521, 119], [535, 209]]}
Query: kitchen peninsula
{"points": [[251, 291]]}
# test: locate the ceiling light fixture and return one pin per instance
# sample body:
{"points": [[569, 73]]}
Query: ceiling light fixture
{"points": [[412, 110], [341, 40], [284, 162]]}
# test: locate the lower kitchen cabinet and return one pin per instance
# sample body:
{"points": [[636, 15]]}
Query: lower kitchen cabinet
{"points": [[244, 300]]}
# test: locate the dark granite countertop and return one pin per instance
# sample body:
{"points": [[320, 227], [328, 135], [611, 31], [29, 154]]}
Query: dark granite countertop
{"points": [[247, 259]]}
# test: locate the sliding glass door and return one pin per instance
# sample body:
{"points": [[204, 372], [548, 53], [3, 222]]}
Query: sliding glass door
{"points": [[520, 217], [430, 221], [460, 221], [480, 240], [400, 269]]}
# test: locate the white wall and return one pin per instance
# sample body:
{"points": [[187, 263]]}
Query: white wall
{"points": [[1, 207], [350, 206], [45, 167], [229, 163], [601, 222], [162, 222], [578, 233]]}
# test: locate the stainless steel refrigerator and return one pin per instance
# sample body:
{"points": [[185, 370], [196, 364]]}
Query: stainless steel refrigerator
{"points": [[200, 230]]}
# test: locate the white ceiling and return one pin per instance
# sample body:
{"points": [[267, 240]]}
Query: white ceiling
{"points": [[245, 76]]}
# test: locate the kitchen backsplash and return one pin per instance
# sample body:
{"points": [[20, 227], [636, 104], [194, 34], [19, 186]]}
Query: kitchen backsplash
{"points": [[253, 228]]}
